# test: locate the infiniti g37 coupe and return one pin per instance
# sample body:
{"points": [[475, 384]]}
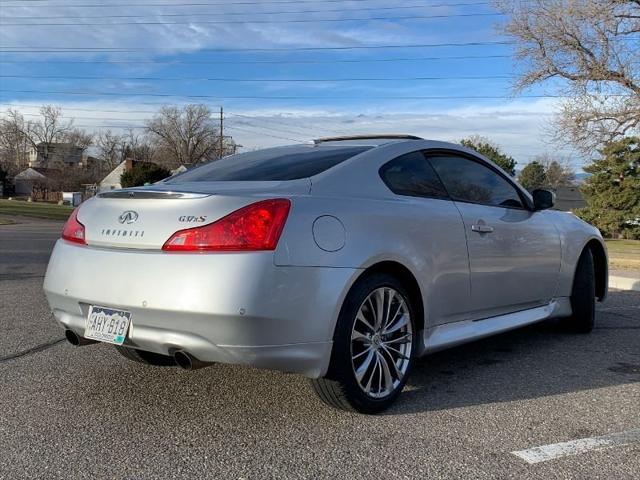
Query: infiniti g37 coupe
{"points": [[342, 260]]}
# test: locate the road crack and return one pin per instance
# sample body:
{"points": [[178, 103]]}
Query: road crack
{"points": [[29, 351]]}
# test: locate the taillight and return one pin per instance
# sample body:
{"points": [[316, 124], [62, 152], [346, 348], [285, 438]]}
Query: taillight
{"points": [[255, 227], [73, 230]]}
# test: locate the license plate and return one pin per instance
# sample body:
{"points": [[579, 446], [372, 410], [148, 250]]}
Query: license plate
{"points": [[107, 324]]}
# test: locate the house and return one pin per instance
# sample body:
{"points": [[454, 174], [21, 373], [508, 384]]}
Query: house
{"points": [[55, 155], [35, 177], [569, 198], [112, 180]]}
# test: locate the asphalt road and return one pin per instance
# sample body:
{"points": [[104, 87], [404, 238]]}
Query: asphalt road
{"points": [[86, 412]]}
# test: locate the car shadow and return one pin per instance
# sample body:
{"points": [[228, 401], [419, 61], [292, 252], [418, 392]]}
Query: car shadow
{"points": [[536, 361]]}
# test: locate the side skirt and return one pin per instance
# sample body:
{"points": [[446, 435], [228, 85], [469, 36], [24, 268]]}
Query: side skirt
{"points": [[452, 334]]}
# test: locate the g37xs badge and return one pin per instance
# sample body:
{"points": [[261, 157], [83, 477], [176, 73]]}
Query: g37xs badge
{"points": [[128, 217], [192, 218]]}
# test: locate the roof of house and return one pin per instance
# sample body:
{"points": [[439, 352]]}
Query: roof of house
{"points": [[569, 198], [113, 177], [37, 173]]}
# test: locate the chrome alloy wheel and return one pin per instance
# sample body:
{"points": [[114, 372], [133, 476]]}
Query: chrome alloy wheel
{"points": [[381, 341]]}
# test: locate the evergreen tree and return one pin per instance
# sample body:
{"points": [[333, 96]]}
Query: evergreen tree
{"points": [[612, 191], [142, 173], [533, 176], [486, 147]]}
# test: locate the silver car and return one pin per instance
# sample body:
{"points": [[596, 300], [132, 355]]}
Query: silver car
{"points": [[342, 260]]}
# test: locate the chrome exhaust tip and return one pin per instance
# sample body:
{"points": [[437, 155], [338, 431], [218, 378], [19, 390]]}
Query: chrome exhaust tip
{"points": [[76, 340], [186, 361]]}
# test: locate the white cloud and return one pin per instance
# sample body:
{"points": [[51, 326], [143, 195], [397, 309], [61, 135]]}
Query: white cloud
{"points": [[518, 126]]}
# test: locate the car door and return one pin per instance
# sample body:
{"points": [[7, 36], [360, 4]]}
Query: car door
{"points": [[514, 252], [435, 237]]}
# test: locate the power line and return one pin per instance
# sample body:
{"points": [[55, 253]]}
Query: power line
{"points": [[260, 80], [274, 129], [265, 134], [194, 4], [256, 62], [277, 121], [226, 14], [287, 97], [50, 49], [252, 21]]}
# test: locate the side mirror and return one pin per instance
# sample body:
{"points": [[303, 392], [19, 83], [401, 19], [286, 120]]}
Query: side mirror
{"points": [[543, 199]]}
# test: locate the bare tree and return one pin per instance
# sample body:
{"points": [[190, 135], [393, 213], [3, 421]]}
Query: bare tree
{"points": [[591, 46], [49, 129], [138, 147], [14, 144], [186, 135], [79, 138], [111, 148]]}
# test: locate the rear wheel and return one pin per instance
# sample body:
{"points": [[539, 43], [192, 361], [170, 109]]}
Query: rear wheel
{"points": [[373, 347], [583, 296], [148, 358]]}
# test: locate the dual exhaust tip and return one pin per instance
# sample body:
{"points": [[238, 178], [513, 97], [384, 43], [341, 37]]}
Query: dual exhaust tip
{"points": [[183, 359]]}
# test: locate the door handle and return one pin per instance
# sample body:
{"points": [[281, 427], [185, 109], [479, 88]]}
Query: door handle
{"points": [[481, 228]]}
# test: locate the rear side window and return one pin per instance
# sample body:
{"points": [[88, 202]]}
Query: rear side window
{"points": [[412, 175], [280, 163], [470, 181]]}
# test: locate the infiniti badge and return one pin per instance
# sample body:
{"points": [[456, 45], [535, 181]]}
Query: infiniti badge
{"points": [[128, 217]]}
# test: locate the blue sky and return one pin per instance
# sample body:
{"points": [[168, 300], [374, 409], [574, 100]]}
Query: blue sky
{"points": [[123, 60]]}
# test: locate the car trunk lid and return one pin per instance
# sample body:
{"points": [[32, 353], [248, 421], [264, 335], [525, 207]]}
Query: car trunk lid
{"points": [[145, 218]]}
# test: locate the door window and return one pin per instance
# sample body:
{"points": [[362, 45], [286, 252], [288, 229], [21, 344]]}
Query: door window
{"points": [[412, 175], [469, 181]]}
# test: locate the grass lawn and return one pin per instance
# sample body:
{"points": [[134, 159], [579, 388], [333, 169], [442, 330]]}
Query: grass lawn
{"points": [[35, 209], [624, 254]]}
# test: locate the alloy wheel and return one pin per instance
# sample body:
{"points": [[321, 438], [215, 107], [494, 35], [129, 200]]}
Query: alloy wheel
{"points": [[381, 341]]}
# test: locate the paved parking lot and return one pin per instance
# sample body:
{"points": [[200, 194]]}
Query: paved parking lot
{"points": [[86, 412]]}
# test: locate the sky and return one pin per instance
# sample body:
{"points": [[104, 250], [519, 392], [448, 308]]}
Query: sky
{"points": [[283, 70]]}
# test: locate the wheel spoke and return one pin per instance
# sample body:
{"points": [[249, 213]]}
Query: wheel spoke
{"points": [[367, 350], [379, 294], [362, 369], [392, 318], [401, 323], [393, 351], [357, 336], [388, 380], [373, 372], [406, 338], [360, 317], [392, 362]]}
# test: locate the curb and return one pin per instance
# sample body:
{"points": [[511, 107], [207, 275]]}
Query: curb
{"points": [[624, 283]]}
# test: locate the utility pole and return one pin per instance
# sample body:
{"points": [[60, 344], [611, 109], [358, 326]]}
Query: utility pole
{"points": [[221, 131]]}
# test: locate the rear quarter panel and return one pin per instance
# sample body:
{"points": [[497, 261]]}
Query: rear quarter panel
{"points": [[424, 235]]}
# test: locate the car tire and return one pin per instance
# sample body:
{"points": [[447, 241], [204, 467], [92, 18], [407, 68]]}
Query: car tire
{"points": [[148, 358], [386, 342], [583, 297]]}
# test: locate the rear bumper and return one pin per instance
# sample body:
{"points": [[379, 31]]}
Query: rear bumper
{"points": [[223, 307]]}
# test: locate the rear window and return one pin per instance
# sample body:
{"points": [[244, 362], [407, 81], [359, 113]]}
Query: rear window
{"points": [[280, 163]]}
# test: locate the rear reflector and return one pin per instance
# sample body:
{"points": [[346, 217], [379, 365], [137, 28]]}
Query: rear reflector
{"points": [[255, 227], [73, 230]]}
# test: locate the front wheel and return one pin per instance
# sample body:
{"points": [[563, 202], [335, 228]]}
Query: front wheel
{"points": [[583, 296], [373, 347]]}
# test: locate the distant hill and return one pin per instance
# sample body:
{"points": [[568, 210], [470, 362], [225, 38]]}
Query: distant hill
{"points": [[581, 177]]}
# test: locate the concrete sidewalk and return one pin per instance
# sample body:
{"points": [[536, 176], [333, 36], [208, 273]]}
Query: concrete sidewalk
{"points": [[624, 279]]}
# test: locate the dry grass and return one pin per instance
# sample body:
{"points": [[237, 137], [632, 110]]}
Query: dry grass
{"points": [[624, 254], [35, 209]]}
